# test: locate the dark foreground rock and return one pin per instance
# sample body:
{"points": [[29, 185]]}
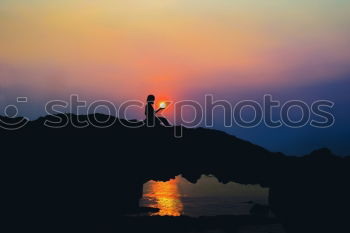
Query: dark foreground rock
{"points": [[69, 175], [184, 224]]}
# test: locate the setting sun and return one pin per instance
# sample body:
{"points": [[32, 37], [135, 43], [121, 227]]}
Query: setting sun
{"points": [[162, 105]]}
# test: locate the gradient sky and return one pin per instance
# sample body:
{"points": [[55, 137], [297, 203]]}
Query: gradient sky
{"points": [[181, 49]]}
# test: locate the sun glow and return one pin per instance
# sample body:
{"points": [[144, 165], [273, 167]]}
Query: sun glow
{"points": [[162, 105]]}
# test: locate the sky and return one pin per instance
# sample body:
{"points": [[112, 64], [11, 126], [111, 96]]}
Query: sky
{"points": [[182, 49]]}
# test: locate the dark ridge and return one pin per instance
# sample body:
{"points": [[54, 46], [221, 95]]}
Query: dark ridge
{"points": [[91, 173]]}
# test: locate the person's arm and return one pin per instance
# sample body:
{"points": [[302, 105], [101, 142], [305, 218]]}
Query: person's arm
{"points": [[159, 110]]}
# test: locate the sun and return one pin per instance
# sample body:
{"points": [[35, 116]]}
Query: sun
{"points": [[162, 105]]}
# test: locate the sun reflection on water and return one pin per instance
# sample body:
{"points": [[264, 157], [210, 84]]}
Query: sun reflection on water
{"points": [[165, 196]]}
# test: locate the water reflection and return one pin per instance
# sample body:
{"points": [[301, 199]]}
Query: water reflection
{"points": [[207, 197], [165, 196]]}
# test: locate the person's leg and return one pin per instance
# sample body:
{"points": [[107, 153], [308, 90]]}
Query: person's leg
{"points": [[164, 121], [150, 122]]}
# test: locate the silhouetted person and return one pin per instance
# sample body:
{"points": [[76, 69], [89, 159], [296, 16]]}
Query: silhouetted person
{"points": [[151, 118]]}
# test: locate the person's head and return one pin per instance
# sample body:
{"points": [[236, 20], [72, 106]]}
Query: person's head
{"points": [[151, 99]]}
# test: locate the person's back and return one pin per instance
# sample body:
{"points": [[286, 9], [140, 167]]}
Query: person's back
{"points": [[149, 112]]}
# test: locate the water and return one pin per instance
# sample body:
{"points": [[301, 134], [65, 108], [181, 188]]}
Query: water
{"points": [[207, 197]]}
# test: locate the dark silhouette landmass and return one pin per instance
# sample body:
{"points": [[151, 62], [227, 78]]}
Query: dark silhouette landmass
{"points": [[61, 178]]}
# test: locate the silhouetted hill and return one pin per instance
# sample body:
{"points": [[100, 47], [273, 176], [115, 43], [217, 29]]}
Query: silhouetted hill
{"points": [[70, 174]]}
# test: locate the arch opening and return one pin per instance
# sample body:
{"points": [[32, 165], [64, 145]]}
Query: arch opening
{"points": [[207, 197]]}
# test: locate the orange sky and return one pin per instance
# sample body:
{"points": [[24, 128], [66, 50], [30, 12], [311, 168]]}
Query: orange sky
{"points": [[130, 48]]}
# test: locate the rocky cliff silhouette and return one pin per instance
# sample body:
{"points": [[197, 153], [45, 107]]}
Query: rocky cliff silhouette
{"points": [[68, 175]]}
